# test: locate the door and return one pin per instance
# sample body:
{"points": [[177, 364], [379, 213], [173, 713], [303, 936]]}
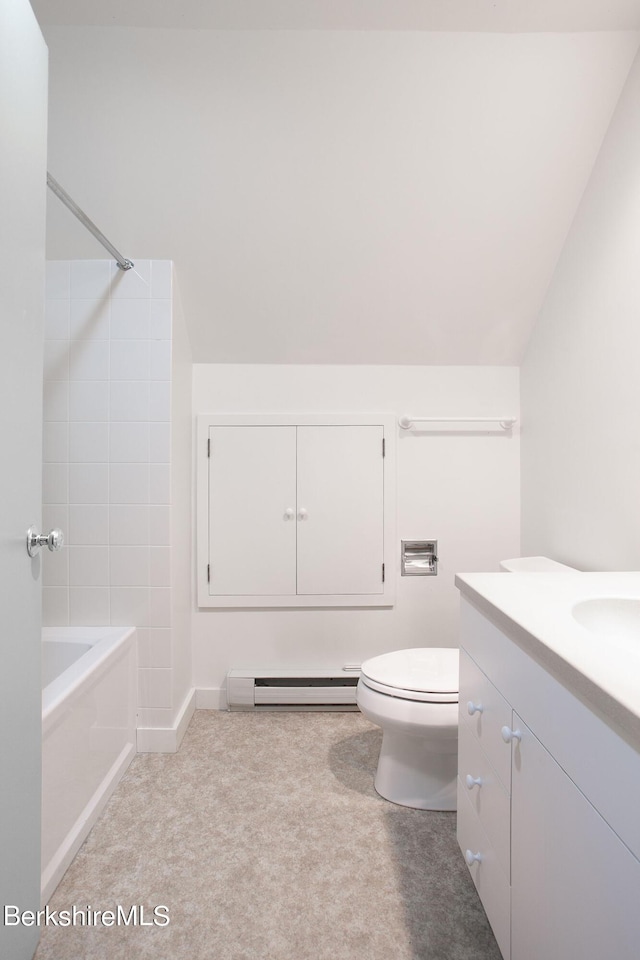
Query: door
{"points": [[340, 510], [575, 887], [23, 124], [252, 511]]}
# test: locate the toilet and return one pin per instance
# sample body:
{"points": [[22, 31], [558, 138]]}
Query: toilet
{"points": [[413, 695]]}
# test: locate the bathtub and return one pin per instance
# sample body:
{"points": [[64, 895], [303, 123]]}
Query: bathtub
{"points": [[88, 734]]}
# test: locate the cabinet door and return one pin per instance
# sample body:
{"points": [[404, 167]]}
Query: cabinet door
{"points": [[575, 887], [252, 510], [340, 510]]}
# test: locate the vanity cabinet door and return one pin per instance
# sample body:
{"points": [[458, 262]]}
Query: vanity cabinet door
{"points": [[575, 887]]}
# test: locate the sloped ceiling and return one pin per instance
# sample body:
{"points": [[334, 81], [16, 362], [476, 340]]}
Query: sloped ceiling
{"points": [[334, 196]]}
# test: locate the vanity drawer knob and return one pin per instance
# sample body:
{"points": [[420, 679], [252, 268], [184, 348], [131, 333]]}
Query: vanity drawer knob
{"points": [[508, 735], [472, 782], [472, 858], [474, 708]]}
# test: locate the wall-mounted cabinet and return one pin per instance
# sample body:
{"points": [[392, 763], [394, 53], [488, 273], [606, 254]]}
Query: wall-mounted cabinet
{"points": [[296, 511]]}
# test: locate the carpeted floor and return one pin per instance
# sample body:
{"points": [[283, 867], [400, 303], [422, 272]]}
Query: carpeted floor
{"points": [[265, 839]]}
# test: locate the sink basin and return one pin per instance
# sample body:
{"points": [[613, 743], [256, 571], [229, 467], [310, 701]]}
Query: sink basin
{"points": [[614, 617]]}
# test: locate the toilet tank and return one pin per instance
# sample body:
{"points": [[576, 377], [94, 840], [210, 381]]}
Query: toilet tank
{"points": [[535, 565]]}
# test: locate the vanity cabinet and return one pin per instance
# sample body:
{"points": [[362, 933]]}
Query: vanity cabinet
{"points": [[549, 832], [295, 511]]}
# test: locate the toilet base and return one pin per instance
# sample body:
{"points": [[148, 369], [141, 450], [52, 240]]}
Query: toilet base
{"points": [[414, 772]]}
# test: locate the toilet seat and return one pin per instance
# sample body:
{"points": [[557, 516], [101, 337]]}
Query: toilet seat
{"points": [[425, 674]]}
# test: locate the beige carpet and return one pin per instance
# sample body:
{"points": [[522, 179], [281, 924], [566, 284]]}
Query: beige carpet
{"points": [[265, 839]]}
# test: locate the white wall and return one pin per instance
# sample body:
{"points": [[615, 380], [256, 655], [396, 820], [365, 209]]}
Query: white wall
{"points": [[116, 450], [335, 196], [581, 373], [459, 486]]}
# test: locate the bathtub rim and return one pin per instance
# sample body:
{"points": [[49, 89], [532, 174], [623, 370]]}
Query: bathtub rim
{"points": [[105, 641]]}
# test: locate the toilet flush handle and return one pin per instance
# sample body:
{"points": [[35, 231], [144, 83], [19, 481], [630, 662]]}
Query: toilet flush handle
{"points": [[474, 708]]}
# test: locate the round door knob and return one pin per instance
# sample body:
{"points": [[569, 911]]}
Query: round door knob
{"points": [[472, 858], [508, 735], [472, 782], [289, 513], [474, 708], [54, 540], [302, 514]]}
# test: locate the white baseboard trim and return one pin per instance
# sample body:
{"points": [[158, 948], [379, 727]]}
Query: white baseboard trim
{"points": [[167, 739], [211, 698]]}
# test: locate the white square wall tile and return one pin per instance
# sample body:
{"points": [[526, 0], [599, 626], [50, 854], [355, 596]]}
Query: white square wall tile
{"points": [[129, 483], [56, 320], [130, 319], [55, 566], [160, 401], [55, 442], [88, 524], [129, 606], [159, 483], [154, 647], [154, 687], [131, 284], [89, 319], [160, 368], [161, 277], [159, 607], [88, 401], [129, 443], [89, 606], [88, 483], [56, 360], [89, 360], [56, 400], [159, 442], [89, 566], [57, 274], [129, 525], [160, 319], [160, 566], [55, 607], [129, 400], [159, 526], [129, 359], [90, 279], [55, 483], [56, 515], [129, 566], [88, 442]]}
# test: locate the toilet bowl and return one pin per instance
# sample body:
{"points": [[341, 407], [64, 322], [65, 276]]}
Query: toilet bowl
{"points": [[413, 696]]}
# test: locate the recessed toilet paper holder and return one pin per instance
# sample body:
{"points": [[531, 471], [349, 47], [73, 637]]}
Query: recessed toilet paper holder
{"points": [[419, 558]]}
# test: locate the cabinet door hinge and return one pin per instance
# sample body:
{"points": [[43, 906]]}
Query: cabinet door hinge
{"points": [[208, 573], [209, 447], [383, 572], [383, 453]]}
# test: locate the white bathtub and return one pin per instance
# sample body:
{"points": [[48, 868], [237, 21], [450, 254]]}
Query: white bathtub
{"points": [[88, 734]]}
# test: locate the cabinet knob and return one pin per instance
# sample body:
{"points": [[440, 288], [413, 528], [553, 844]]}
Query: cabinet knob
{"points": [[472, 782], [302, 514], [474, 708], [54, 540], [472, 858], [508, 735], [289, 513]]}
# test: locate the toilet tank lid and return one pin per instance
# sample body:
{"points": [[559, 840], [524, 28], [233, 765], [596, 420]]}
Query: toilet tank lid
{"points": [[423, 669], [535, 565]]}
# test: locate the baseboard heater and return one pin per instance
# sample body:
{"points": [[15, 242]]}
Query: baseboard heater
{"points": [[289, 690]]}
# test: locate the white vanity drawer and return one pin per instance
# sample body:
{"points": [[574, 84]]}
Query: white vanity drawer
{"points": [[489, 798], [491, 883], [486, 712]]}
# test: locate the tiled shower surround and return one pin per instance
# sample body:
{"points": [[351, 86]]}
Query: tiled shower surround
{"points": [[108, 472]]}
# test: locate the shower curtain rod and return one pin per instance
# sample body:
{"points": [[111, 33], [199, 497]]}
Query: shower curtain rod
{"points": [[62, 194]]}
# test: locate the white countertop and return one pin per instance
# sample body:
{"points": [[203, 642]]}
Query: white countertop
{"points": [[534, 609]]}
